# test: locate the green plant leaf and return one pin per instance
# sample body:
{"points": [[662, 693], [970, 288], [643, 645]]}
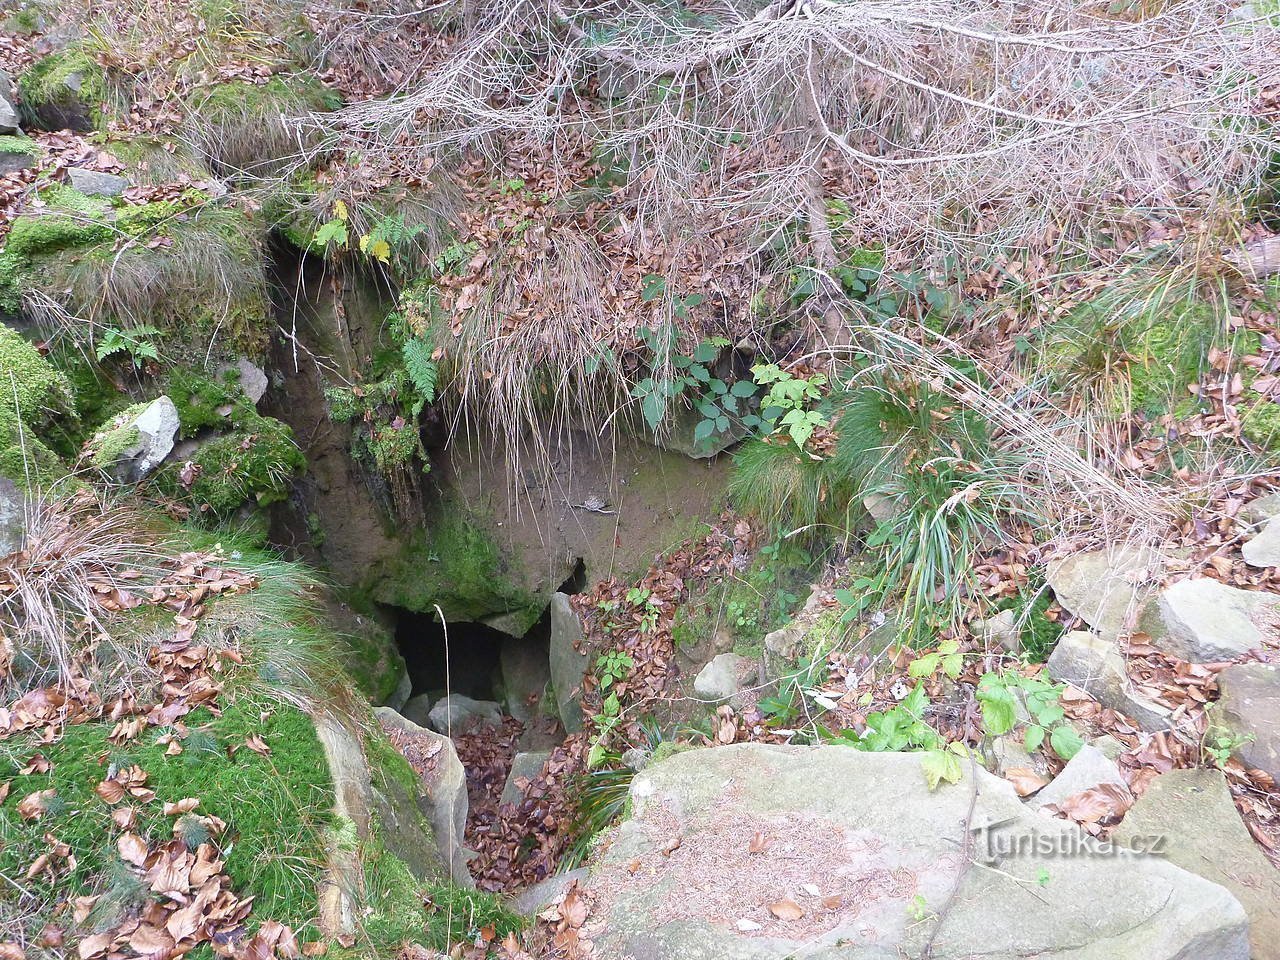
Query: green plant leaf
{"points": [[1034, 738], [939, 766], [1066, 741], [999, 709]]}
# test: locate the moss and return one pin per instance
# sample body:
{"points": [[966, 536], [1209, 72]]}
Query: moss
{"points": [[116, 436], [1261, 423], [669, 748], [25, 146], [205, 400], [457, 566], [63, 83], [33, 236], [369, 657], [276, 807], [156, 161], [237, 125], [253, 464], [1167, 355], [34, 396]]}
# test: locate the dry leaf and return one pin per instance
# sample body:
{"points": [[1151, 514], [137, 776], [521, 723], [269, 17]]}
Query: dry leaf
{"points": [[1025, 780], [786, 910], [185, 805]]}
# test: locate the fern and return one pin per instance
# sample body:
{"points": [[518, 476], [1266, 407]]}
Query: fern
{"points": [[422, 370]]}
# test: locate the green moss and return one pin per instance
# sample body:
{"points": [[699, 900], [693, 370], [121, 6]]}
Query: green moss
{"points": [[276, 807], [33, 236], [156, 161], [205, 401], [32, 397], [237, 125], [458, 567], [1168, 355], [255, 463], [25, 146], [66, 81], [370, 659], [116, 436], [1261, 423]]}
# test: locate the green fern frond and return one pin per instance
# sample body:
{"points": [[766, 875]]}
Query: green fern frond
{"points": [[423, 371]]}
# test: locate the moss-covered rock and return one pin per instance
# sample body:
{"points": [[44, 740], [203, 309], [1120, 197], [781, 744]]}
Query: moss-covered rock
{"points": [[32, 396], [152, 160], [254, 464], [17, 153], [64, 89], [457, 566]]}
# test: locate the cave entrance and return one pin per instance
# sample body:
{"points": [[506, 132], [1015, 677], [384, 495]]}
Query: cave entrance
{"points": [[477, 660]]}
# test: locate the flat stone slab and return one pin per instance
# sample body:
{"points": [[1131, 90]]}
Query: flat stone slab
{"points": [[1096, 666], [524, 767], [1263, 548], [1104, 588], [1191, 815], [756, 851], [1250, 709], [1206, 621]]}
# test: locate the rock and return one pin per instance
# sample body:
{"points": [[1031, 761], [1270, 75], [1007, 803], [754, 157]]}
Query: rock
{"points": [[14, 162], [443, 800], [403, 688], [679, 438], [252, 379], [6, 86], [1191, 815], [1262, 509], [1111, 747], [524, 767], [457, 713], [13, 517], [94, 184], [881, 506], [1263, 548], [724, 676], [1205, 621], [1097, 667], [1001, 630], [1087, 769], [10, 122], [1105, 588], [526, 674], [567, 664], [1249, 707], [1009, 752], [864, 829], [784, 646], [417, 709], [137, 440], [547, 893]]}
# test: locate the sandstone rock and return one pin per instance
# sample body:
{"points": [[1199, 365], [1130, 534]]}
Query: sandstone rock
{"points": [[1204, 620], [16, 162], [1250, 707], [10, 122], [417, 709], [94, 184], [1104, 588], [1087, 769], [1191, 815], [457, 713], [526, 674], [1263, 548], [252, 378], [1096, 666], [135, 445], [13, 516], [524, 767], [1009, 752], [1111, 747], [1262, 509], [547, 893], [403, 688], [784, 646], [881, 506], [568, 665], [724, 676], [443, 800], [864, 829], [1002, 630], [6, 86]]}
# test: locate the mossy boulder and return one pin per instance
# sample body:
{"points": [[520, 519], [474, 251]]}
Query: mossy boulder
{"points": [[33, 395], [64, 90], [17, 153]]}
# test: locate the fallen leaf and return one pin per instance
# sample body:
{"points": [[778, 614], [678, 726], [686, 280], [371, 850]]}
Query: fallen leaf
{"points": [[1025, 780], [786, 910]]}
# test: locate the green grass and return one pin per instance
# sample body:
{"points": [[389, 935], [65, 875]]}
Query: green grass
{"points": [[791, 493]]}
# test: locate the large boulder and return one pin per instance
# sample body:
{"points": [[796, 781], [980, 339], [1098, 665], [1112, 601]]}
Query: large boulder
{"points": [[10, 122], [1190, 815], [1206, 621], [1095, 665], [526, 675], [756, 851], [568, 664], [457, 713], [1104, 588], [1249, 711], [443, 787], [13, 517]]}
